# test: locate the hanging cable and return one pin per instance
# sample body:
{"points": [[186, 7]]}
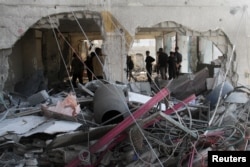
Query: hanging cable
{"points": [[135, 121], [59, 48]]}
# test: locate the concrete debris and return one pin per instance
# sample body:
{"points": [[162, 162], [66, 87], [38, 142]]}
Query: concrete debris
{"points": [[32, 84], [140, 88], [210, 83], [115, 124], [219, 91], [141, 99], [196, 84], [37, 98], [67, 107], [237, 97]]}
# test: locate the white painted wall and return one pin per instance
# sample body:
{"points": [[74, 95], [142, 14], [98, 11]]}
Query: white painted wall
{"points": [[229, 15], [208, 51], [183, 44]]}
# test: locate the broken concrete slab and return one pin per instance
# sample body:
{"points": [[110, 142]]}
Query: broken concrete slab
{"points": [[20, 125], [140, 88], [11, 159], [220, 110], [19, 112], [140, 98], [28, 125], [85, 89], [52, 126], [213, 96], [65, 154], [78, 137], [210, 83], [30, 85], [237, 97], [93, 85], [189, 84], [38, 97], [211, 68]]}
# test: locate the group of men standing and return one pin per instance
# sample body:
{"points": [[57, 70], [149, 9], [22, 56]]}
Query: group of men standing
{"points": [[95, 61], [164, 64], [94, 65]]}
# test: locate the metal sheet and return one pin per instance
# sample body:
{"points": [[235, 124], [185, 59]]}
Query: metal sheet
{"points": [[29, 125], [20, 125], [237, 97], [54, 126]]}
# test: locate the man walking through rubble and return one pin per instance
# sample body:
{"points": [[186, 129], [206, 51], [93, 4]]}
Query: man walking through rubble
{"points": [[178, 61], [149, 60], [98, 63], [130, 67], [89, 66], [162, 63], [172, 66], [77, 68]]}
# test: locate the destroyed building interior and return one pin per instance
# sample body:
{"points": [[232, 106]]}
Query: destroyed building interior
{"points": [[46, 121]]}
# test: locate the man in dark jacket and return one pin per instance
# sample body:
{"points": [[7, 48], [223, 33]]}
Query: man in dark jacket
{"points": [[172, 66], [178, 61], [89, 66], [149, 60], [162, 63], [130, 67], [77, 68]]}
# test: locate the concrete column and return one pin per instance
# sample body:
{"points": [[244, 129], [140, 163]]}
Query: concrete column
{"points": [[205, 49], [167, 44], [114, 50], [182, 42], [193, 53], [158, 42]]}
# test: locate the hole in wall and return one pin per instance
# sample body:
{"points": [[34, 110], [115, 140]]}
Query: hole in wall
{"points": [[195, 47], [45, 43]]}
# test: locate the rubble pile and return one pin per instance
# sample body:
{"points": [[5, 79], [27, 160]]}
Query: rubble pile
{"points": [[173, 123]]}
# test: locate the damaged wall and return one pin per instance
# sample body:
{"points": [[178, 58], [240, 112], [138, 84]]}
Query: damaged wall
{"points": [[4, 67], [25, 58], [229, 15], [51, 56]]}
